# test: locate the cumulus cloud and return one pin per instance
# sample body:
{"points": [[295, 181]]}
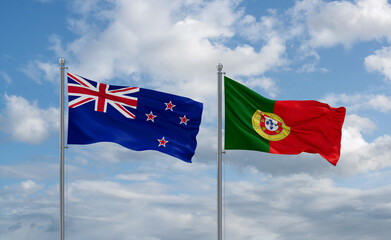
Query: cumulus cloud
{"points": [[358, 155], [295, 207], [300, 207], [354, 102], [381, 103], [38, 71], [321, 23], [26, 122], [380, 61], [344, 22], [135, 176], [25, 188], [32, 171], [265, 83], [264, 29], [179, 45]]}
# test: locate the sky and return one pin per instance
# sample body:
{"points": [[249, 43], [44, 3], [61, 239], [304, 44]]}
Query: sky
{"points": [[338, 52]]}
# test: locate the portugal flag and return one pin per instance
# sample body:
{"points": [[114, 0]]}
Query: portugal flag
{"points": [[253, 122]]}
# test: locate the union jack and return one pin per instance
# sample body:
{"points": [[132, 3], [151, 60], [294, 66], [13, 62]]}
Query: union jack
{"points": [[101, 94]]}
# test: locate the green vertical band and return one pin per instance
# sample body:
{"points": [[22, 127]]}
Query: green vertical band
{"points": [[240, 105]]}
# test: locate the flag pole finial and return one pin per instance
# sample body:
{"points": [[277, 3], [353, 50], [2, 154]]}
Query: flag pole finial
{"points": [[219, 67]]}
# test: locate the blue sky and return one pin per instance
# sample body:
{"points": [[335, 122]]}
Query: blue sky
{"points": [[337, 52]]}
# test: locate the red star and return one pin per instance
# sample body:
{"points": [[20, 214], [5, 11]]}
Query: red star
{"points": [[151, 117], [162, 142], [170, 106], [184, 120]]}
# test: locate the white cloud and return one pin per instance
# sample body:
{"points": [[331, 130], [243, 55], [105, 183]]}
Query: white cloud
{"points": [[26, 122], [179, 45], [174, 50], [296, 207], [38, 70], [5, 76], [381, 103], [358, 155], [109, 153], [267, 27], [24, 188], [244, 60], [380, 62], [350, 101], [32, 171], [354, 102], [319, 23], [303, 207], [138, 208], [344, 22], [311, 67], [267, 84], [135, 176]]}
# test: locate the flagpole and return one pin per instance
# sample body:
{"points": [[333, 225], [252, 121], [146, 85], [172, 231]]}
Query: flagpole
{"points": [[219, 153], [62, 147]]}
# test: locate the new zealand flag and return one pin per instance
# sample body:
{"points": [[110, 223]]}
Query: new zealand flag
{"points": [[136, 118]]}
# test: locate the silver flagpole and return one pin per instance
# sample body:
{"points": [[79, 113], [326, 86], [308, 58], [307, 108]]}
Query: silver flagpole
{"points": [[62, 217], [219, 153]]}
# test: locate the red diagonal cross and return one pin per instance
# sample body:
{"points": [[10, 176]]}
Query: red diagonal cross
{"points": [[103, 95]]}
